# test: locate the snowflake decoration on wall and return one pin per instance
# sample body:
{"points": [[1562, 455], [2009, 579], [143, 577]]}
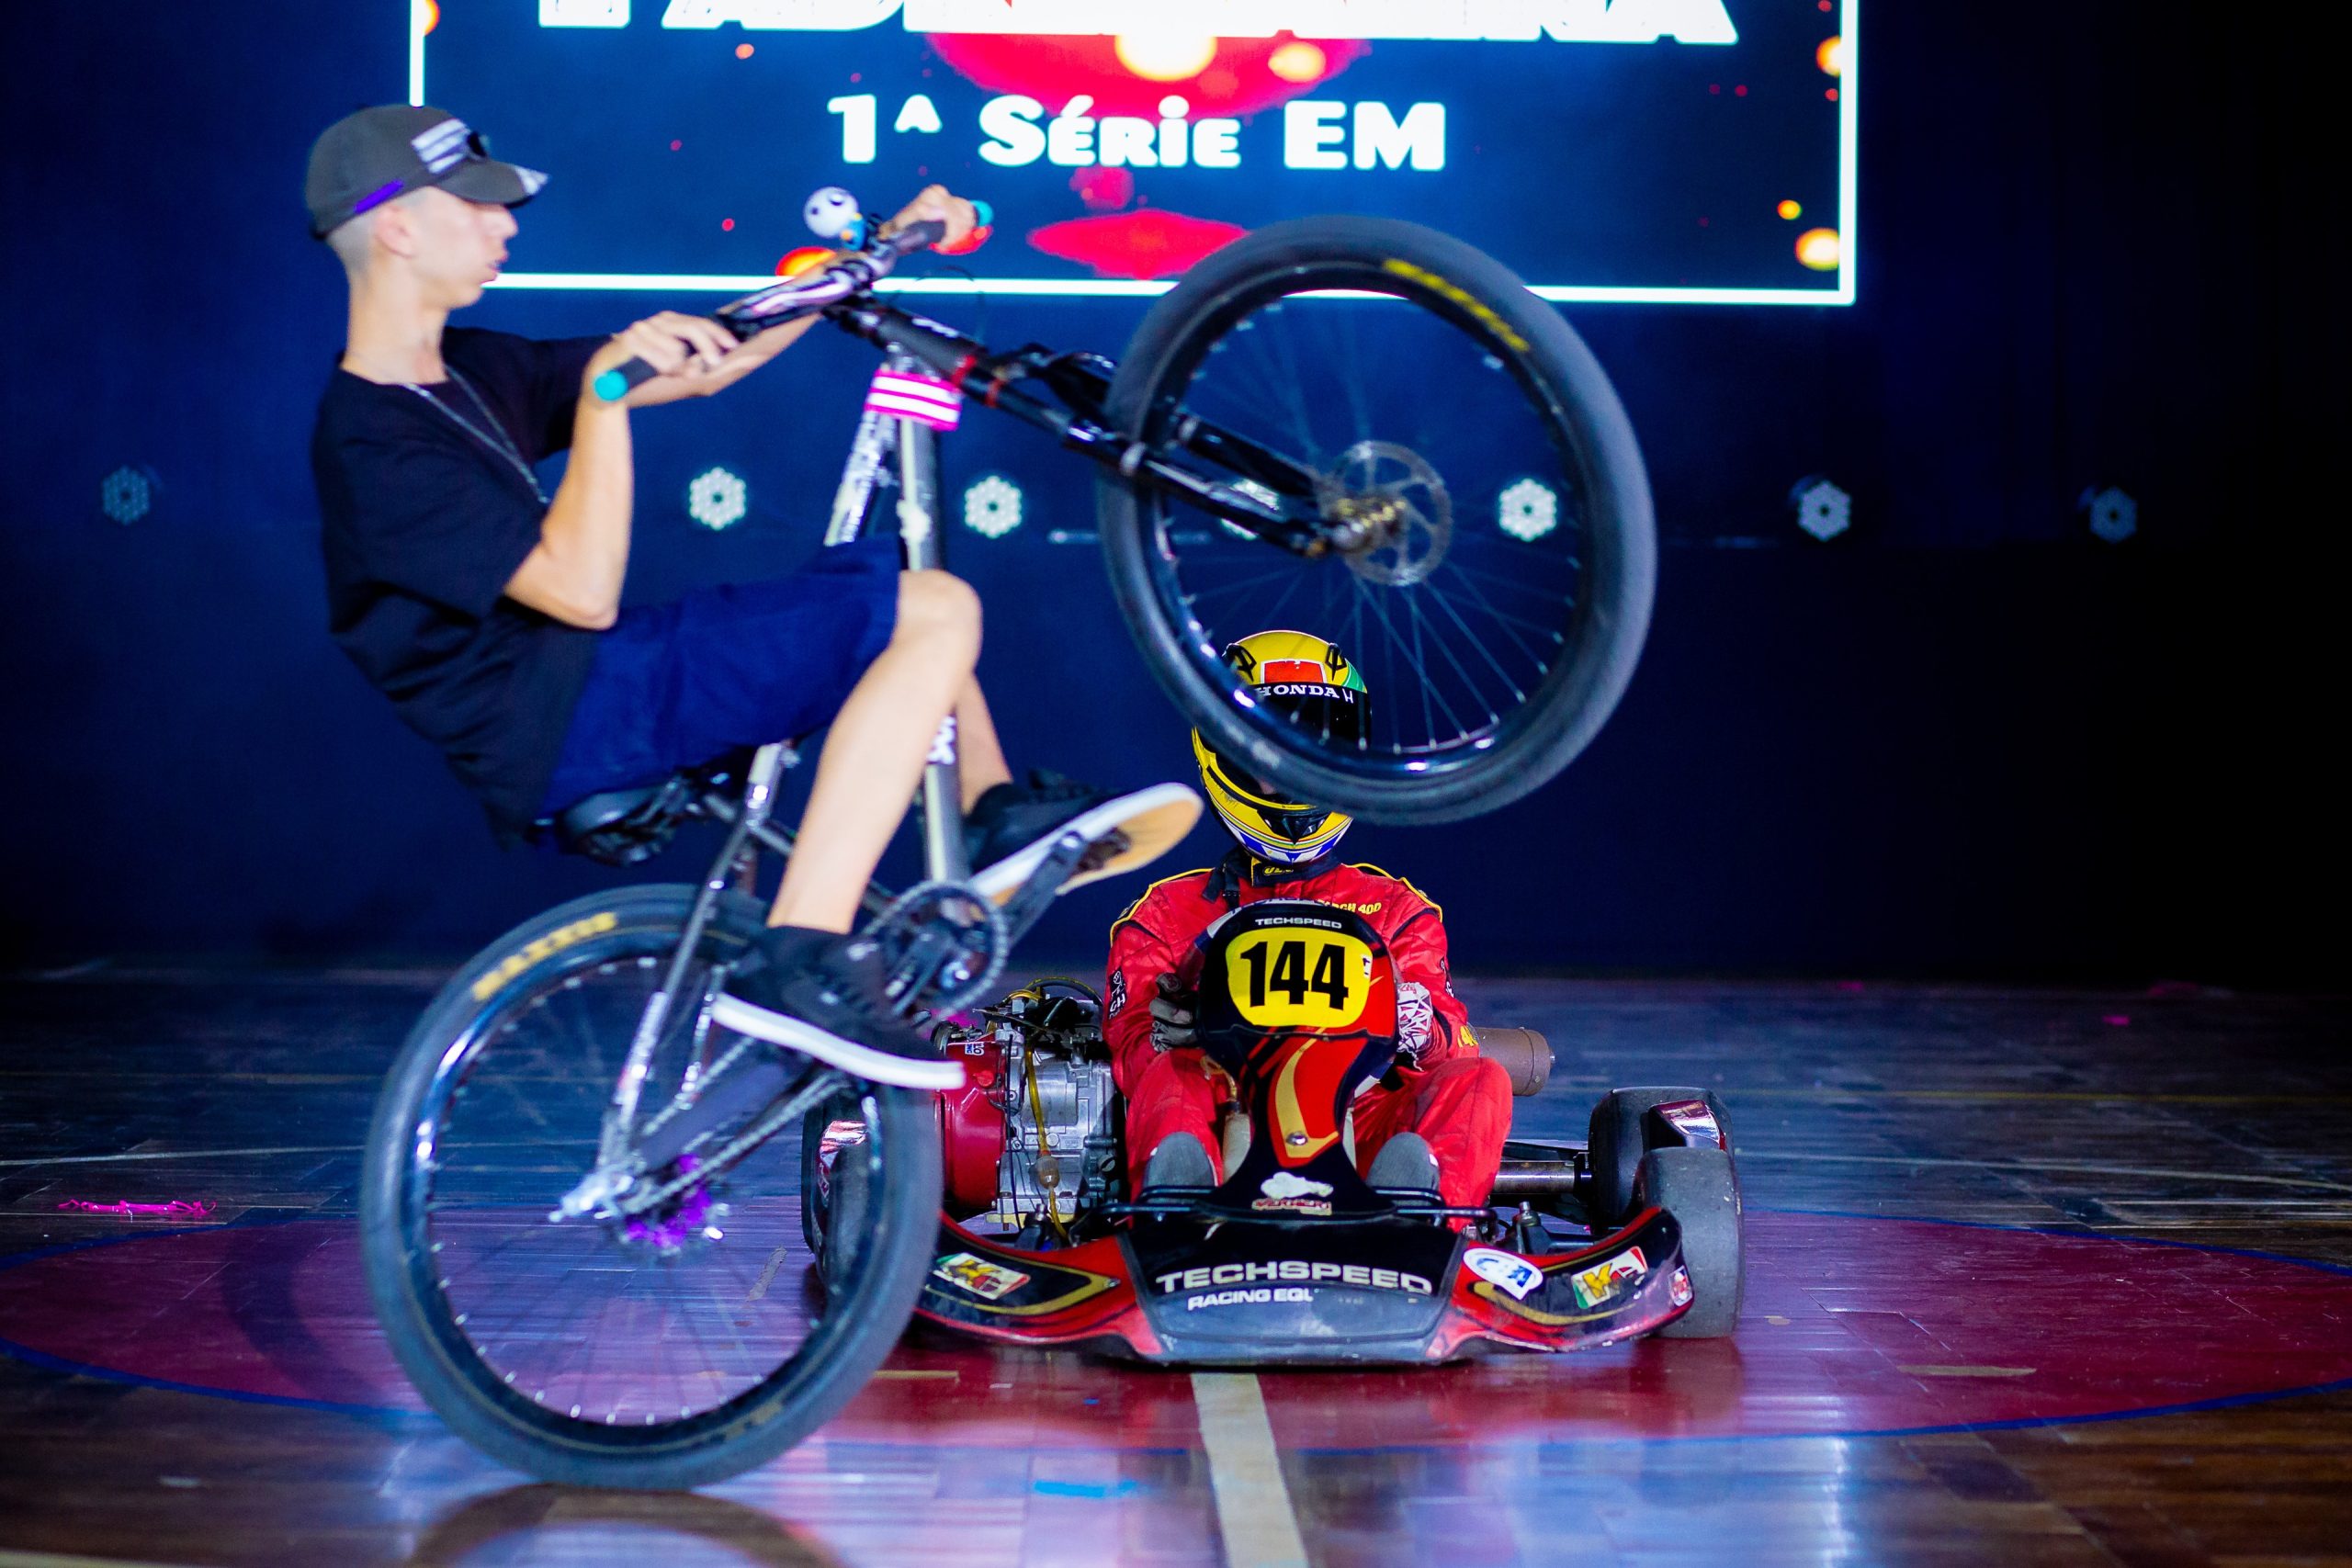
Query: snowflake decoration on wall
{"points": [[127, 495], [2114, 516], [1823, 510], [718, 498], [1527, 511], [992, 506]]}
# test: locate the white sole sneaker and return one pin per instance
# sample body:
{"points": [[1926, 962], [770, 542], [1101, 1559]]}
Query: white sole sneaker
{"points": [[1155, 821], [860, 1060]]}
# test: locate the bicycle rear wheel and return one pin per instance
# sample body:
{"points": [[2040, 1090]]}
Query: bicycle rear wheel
{"points": [[686, 1345], [1497, 616]]}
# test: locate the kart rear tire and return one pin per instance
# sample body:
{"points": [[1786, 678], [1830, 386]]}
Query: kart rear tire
{"points": [[1616, 1142], [1700, 1190]]}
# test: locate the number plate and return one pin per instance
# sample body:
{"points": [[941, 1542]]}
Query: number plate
{"points": [[1292, 979]]}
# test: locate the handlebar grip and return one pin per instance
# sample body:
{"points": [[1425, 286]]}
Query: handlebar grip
{"points": [[614, 384]]}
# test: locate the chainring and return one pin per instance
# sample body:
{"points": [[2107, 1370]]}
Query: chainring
{"points": [[943, 943]]}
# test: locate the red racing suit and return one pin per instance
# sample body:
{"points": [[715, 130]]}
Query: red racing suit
{"points": [[1457, 1099]]}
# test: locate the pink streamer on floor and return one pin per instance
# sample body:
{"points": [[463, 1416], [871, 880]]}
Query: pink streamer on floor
{"points": [[180, 1208]]}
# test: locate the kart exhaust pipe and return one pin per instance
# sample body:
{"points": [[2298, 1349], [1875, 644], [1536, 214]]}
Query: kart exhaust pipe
{"points": [[1525, 1179], [1525, 1053]]}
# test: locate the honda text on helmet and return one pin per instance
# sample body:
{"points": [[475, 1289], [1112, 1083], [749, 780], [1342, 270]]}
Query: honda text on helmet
{"points": [[1307, 679]]}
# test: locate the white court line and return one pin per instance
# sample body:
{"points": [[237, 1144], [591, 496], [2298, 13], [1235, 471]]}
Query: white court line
{"points": [[1253, 1510]]}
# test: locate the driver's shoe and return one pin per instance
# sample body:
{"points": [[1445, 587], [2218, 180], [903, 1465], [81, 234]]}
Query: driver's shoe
{"points": [[1180, 1160], [1012, 828], [823, 996], [1403, 1161]]}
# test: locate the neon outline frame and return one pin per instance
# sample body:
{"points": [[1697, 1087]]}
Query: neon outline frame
{"points": [[1848, 188]]}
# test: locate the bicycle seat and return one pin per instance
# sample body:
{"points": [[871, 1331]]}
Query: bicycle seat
{"points": [[621, 827]]}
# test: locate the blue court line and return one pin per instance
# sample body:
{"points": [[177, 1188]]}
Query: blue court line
{"points": [[43, 1359]]}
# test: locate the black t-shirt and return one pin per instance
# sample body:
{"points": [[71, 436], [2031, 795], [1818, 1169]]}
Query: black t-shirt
{"points": [[425, 524]]}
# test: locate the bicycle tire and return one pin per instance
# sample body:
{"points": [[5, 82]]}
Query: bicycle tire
{"points": [[459, 1384], [1608, 625]]}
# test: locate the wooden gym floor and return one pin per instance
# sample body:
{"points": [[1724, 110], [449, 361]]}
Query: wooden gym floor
{"points": [[2037, 1277]]}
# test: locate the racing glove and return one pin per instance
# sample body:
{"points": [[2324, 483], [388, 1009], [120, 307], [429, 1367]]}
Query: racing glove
{"points": [[1416, 1023], [1173, 1014]]}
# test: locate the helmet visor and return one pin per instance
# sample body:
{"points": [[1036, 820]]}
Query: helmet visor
{"points": [[1333, 717]]}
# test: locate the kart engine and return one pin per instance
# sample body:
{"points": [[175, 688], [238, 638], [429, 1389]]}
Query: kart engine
{"points": [[1032, 1139]]}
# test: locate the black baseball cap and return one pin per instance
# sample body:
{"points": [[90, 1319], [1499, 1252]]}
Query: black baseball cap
{"points": [[364, 160]]}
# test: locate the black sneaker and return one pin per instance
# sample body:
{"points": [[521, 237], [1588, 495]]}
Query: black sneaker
{"points": [[822, 996], [1013, 826]]}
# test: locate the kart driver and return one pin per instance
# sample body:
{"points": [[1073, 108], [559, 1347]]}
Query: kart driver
{"points": [[1438, 1117], [489, 612]]}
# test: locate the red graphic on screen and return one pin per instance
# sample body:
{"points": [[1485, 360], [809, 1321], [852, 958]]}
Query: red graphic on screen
{"points": [[1242, 74], [1226, 77], [1103, 190], [1150, 243]]}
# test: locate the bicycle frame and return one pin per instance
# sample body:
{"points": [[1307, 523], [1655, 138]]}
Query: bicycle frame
{"points": [[866, 471]]}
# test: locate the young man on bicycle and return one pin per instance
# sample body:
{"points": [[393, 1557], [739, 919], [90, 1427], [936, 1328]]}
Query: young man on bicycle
{"points": [[1438, 1117], [489, 612]]}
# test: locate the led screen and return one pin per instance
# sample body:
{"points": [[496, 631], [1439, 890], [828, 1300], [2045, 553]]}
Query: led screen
{"points": [[1695, 150]]}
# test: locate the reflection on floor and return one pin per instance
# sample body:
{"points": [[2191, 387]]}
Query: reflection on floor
{"points": [[2037, 1277]]}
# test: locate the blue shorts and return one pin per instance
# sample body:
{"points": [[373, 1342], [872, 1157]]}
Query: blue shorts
{"points": [[676, 684]]}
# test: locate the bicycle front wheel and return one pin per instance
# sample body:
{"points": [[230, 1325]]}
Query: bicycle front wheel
{"points": [[674, 1347], [1497, 612]]}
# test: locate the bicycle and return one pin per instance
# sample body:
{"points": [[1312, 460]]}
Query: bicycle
{"points": [[670, 1321]]}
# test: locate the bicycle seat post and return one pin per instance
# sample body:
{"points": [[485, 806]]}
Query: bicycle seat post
{"points": [[943, 802]]}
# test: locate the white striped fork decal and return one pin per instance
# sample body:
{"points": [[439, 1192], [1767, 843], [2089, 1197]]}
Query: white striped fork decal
{"points": [[936, 403]]}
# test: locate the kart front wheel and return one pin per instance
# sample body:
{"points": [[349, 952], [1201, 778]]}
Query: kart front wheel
{"points": [[1700, 1190]]}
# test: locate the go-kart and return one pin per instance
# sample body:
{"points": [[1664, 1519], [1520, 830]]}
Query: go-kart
{"points": [[1293, 1258]]}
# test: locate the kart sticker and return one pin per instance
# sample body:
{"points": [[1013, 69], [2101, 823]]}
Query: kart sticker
{"points": [[1504, 1271], [1288, 1270], [1677, 1287], [1292, 1295], [1694, 1121], [1293, 1195], [978, 1275], [1602, 1281]]}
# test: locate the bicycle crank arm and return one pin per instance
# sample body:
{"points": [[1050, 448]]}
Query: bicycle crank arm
{"points": [[1036, 894]]}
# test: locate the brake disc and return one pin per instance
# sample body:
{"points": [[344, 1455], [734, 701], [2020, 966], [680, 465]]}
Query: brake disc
{"points": [[1396, 500]]}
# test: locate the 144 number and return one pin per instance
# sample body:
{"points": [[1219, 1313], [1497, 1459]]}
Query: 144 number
{"points": [[1287, 972]]}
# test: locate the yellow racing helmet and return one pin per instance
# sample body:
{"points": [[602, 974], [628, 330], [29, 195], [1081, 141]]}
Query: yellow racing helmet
{"points": [[1303, 676]]}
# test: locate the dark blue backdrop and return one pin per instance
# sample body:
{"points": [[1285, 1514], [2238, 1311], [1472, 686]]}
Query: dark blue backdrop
{"points": [[1966, 739]]}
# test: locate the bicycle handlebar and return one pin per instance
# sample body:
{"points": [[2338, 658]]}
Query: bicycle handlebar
{"points": [[797, 297]]}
